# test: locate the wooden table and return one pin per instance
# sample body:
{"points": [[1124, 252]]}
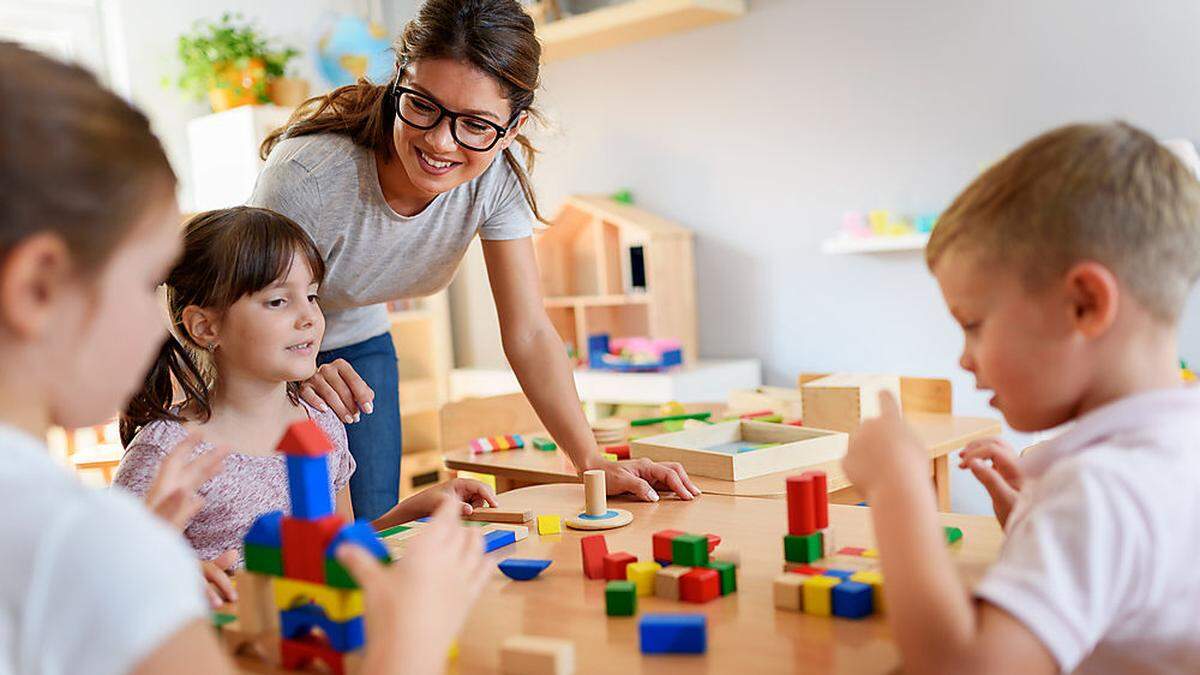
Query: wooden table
{"points": [[941, 434], [746, 634]]}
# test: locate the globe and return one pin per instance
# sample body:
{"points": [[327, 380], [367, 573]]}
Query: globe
{"points": [[352, 47]]}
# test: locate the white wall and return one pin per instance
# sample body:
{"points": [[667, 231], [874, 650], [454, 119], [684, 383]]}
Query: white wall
{"points": [[759, 133]]}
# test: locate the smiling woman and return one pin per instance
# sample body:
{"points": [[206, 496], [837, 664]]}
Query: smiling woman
{"points": [[393, 181]]}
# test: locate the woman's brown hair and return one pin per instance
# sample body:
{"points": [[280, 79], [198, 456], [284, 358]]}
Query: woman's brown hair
{"points": [[75, 159], [227, 254], [495, 36]]}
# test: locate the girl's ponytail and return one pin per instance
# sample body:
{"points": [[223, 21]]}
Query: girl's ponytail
{"points": [[173, 367]]}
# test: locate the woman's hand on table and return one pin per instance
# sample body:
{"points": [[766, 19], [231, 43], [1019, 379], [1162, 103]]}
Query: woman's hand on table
{"points": [[338, 387], [642, 478]]}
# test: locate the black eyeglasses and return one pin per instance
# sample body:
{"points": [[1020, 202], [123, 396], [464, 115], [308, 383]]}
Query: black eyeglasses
{"points": [[422, 112]]}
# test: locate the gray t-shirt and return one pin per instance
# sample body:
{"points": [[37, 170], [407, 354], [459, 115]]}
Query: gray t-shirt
{"points": [[373, 255]]}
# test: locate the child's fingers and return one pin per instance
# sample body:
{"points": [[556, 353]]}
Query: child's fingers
{"points": [[992, 481], [223, 584], [227, 559]]}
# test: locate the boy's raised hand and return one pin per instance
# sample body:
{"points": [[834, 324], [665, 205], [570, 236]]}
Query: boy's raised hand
{"points": [[416, 607], [994, 463], [884, 450], [172, 496]]}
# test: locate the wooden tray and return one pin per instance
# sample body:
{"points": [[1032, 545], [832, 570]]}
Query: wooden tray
{"points": [[709, 451]]}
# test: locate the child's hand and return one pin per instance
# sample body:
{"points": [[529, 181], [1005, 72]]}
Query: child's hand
{"points": [[172, 496], [642, 477], [338, 387], [415, 608], [994, 464], [218, 583], [884, 451], [471, 494]]}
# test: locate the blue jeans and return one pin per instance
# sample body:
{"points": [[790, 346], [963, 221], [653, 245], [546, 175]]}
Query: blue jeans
{"points": [[375, 438]]}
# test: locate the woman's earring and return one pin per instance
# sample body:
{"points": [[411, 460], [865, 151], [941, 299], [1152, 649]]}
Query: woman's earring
{"points": [[211, 347]]}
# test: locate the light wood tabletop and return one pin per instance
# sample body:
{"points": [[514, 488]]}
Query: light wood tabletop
{"points": [[746, 634], [941, 434]]}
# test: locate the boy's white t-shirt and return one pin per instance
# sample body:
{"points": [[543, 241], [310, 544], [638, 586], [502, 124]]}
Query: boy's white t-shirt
{"points": [[90, 581], [1103, 545]]}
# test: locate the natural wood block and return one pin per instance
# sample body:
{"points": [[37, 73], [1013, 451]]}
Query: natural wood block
{"points": [[788, 590], [841, 401], [666, 581], [520, 532], [500, 516], [535, 655], [256, 606], [707, 451]]}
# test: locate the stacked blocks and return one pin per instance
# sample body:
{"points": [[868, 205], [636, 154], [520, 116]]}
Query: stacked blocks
{"points": [[663, 550], [319, 605]]}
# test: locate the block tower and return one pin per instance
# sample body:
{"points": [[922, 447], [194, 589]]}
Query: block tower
{"points": [[293, 585]]}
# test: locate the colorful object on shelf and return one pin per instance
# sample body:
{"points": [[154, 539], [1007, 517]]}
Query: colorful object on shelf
{"points": [[485, 444], [634, 354], [544, 444], [623, 196]]}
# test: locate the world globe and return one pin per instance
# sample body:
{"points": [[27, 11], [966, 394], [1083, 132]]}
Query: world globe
{"points": [[352, 47]]}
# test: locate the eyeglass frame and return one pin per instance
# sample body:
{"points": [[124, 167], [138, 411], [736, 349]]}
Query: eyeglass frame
{"points": [[444, 112]]}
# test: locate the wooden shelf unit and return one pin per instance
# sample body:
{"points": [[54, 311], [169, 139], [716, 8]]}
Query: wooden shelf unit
{"points": [[609, 267], [628, 22]]}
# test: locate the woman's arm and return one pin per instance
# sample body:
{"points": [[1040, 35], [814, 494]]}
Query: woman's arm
{"points": [[537, 356]]}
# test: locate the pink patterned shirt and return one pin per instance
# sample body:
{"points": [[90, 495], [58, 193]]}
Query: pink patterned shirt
{"points": [[247, 487]]}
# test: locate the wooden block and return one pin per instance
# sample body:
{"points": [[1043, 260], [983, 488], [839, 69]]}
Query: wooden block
{"points": [[304, 545], [661, 542], [728, 574], [544, 444], [673, 634], [804, 550], [305, 439], [298, 653], [700, 585], [800, 504], [789, 591], [841, 401], [666, 582], [851, 550], [807, 570], [486, 515], [827, 541], [595, 499], [820, 495], [256, 610], [818, 598], [953, 534], [620, 598], [871, 553], [615, 564], [535, 655], [593, 548], [690, 550], [874, 579], [621, 451], [549, 524], [642, 575], [339, 604], [852, 600], [520, 532]]}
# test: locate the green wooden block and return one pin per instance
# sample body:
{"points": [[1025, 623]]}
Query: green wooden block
{"points": [[264, 559], [544, 444], [728, 575], [383, 534], [620, 598], [802, 548], [337, 576], [953, 534], [220, 620], [690, 550]]}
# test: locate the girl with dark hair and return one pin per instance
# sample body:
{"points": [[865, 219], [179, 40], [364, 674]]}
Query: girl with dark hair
{"points": [[393, 181]]}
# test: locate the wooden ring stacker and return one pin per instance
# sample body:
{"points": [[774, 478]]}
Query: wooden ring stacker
{"points": [[596, 515]]}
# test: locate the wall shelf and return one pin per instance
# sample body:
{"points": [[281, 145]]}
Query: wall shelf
{"points": [[629, 22], [842, 244]]}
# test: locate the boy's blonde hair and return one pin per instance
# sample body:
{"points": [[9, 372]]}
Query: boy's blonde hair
{"points": [[1103, 192]]}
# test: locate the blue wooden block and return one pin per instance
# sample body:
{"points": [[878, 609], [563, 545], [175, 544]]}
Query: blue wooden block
{"points": [[852, 600], [497, 539], [344, 636], [267, 530], [522, 569], [308, 485], [673, 633], [359, 532], [844, 575]]}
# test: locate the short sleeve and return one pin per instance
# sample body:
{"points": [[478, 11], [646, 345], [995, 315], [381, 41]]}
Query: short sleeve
{"points": [[1075, 563], [287, 187], [103, 559], [138, 468], [509, 215]]}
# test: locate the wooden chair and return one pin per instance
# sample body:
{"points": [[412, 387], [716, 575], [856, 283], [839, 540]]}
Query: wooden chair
{"points": [[468, 419]]}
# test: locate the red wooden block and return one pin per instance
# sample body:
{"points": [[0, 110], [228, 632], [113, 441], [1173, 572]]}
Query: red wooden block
{"points": [[298, 653], [795, 423], [621, 451], [305, 439], [304, 544], [757, 413], [594, 548], [851, 550], [700, 585], [615, 564], [713, 542], [800, 505], [820, 499], [662, 543], [810, 570]]}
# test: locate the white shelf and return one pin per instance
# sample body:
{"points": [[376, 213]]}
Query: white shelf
{"points": [[843, 244], [631, 21]]}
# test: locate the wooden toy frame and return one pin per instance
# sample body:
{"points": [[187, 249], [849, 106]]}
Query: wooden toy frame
{"points": [[799, 447]]}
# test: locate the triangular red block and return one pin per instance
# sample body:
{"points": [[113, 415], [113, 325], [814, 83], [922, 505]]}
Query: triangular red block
{"points": [[305, 439]]}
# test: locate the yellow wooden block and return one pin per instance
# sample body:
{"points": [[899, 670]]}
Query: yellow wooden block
{"points": [[549, 524], [870, 553], [340, 604], [818, 595], [874, 579], [642, 575], [500, 443]]}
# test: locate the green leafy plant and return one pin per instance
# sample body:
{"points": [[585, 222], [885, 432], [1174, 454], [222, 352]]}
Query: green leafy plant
{"points": [[214, 47]]}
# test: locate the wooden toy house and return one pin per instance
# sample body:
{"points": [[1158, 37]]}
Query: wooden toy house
{"points": [[609, 267]]}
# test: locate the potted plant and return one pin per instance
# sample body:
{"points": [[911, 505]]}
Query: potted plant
{"points": [[230, 62]]}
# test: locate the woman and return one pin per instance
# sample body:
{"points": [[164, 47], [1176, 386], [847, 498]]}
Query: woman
{"points": [[393, 182]]}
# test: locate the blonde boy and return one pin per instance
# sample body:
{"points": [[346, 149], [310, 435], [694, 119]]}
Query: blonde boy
{"points": [[1067, 265]]}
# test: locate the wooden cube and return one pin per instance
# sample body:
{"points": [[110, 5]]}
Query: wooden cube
{"points": [[549, 524], [642, 575], [874, 579], [690, 550], [789, 591], [804, 549], [534, 655], [841, 401], [620, 598], [818, 595], [666, 582]]}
